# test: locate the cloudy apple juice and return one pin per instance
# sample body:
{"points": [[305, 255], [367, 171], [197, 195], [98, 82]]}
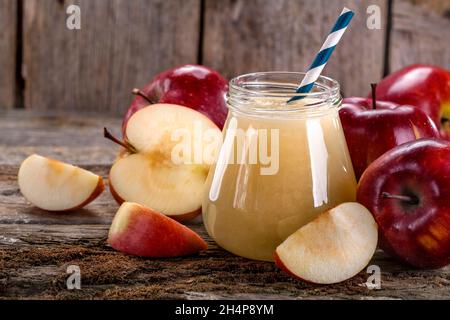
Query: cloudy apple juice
{"points": [[281, 164]]}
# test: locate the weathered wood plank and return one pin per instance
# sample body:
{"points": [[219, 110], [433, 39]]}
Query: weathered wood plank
{"points": [[440, 7], [37, 246], [420, 34], [121, 44], [8, 46], [260, 35], [68, 137], [39, 270], [36, 249]]}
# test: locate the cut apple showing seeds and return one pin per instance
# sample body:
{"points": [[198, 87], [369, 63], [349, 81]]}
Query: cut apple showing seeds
{"points": [[334, 247], [56, 186], [143, 232], [149, 174]]}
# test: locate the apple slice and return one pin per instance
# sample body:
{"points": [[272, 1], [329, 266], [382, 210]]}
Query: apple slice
{"points": [[334, 247], [140, 231], [56, 186], [157, 171]]}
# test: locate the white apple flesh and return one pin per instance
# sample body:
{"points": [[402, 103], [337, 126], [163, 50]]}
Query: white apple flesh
{"points": [[334, 247], [56, 186], [150, 176]]}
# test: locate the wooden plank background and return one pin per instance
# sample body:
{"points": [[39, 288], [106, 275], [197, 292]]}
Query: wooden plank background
{"points": [[247, 36], [36, 246], [123, 44], [8, 45], [420, 33]]}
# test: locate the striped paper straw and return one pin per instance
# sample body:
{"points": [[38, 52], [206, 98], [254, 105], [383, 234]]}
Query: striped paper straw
{"points": [[325, 52]]}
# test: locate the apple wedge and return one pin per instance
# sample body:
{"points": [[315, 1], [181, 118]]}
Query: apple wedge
{"points": [[169, 151], [56, 186], [143, 232], [334, 247]]}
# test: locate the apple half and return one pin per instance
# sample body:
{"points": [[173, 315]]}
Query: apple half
{"points": [[57, 186], [148, 174], [334, 247], [143, 232]]}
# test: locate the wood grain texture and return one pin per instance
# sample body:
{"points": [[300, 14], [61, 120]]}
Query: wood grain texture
{"points": [[259, 35], [122, 44], [420, 33], [61, 135], [440, 7], [36, 247], [8, 44]]}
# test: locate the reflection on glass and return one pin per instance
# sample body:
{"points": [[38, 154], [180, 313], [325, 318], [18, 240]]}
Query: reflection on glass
{"points": [[250, 205], [318, 161]]}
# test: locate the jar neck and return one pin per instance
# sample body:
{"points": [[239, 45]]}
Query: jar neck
{"points": [[271, 94]]}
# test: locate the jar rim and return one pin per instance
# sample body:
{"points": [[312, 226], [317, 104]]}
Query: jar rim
{"points": [[245, 88]]}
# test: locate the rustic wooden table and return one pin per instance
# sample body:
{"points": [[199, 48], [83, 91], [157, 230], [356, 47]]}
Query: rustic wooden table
{"points": [[36, 246]]}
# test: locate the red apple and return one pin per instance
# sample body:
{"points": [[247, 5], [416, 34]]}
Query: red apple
{"points": [[143, 232], [372, 127], [424, 86], [192, 86], [408, 191]]}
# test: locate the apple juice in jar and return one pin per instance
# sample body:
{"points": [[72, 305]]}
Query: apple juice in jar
{"points": [[281, 164]]}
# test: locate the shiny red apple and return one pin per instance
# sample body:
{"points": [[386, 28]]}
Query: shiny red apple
{"points": [[424, 86], [192, 86], [372, 127], [408, 191]]}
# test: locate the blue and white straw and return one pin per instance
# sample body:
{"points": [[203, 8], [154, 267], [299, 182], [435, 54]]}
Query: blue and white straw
{"points": [[325, 52]]}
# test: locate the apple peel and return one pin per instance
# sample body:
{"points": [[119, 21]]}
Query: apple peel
{"points": [[141, 231]]}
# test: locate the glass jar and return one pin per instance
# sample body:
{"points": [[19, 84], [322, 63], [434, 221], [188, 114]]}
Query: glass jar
{"points": [[281, 164]]}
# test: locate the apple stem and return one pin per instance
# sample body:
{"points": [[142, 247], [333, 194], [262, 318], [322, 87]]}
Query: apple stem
{"points": [[126, 145], [138, 92], [374, 95], [410, 200]]}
